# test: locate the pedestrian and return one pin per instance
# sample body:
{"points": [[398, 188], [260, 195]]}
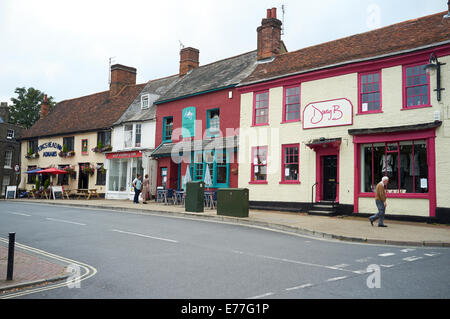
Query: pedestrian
{"points": [[145, 189], [380, 201], [137, 184]]}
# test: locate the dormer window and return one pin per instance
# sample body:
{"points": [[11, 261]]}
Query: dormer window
{"points": [[10, 134], [145, 101]]}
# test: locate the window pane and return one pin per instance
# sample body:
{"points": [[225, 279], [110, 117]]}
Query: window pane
{"points": [[366, 171], [420, 166]]}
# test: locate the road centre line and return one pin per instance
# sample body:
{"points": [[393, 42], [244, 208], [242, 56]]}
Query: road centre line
{"points": [[145, 236], [386, 254], [337, 278], [65, 221], [20, 214], [299, 287], [262, 296]]}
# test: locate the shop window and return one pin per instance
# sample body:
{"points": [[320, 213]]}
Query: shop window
{"points": [[259, 164], [291, 111], [370, 92], [290, 163], [117, 181], [198, 166], [6, 181], [261, 109], [63, 179], [217, 163], [31, 178], [69, 143], [213, 122], [416, 86], [8, 159], [101, 174], [167, 129], [222, 166], [137, 142], [405, 163]]}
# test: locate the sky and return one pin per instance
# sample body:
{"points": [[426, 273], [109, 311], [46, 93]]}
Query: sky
{"points": [[63, 48]]}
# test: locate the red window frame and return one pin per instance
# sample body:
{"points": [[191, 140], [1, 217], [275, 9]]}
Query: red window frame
{"points": [[285, 103], [255, 149], [84, 148], [284, 162], [361, 92], [412, 86], [255, 108]]}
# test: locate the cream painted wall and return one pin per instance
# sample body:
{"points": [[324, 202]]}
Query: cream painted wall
{"points": [[397, 206], [344, 86], [43, 162]]}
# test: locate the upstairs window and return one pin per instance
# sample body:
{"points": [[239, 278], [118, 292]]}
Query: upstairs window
{"points": [[69, 143], [370, 92], [261, 109], [10, 134], [137, 142], [33, 146], [167, 128], [104, 137], [145, 101], [416, 86], [291, 111], [128, 135], [213, 122], [8, 159]]}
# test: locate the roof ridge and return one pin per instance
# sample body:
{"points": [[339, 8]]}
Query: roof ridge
{"points": [[366, 32], [98, 93], [225, 59]]}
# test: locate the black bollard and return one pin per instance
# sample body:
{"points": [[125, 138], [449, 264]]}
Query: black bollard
{"points": [[12, 239]]}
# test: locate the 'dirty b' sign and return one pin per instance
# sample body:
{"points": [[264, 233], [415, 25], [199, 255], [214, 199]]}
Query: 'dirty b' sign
{"points": [[328, 113]]}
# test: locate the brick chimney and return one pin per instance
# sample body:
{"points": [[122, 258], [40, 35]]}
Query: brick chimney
{"points": [[188, 60], [269, 35], [121, 76], [45, 107]]}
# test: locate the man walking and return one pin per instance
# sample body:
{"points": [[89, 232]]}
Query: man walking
{"points": [[137, 184], [380, 201]]}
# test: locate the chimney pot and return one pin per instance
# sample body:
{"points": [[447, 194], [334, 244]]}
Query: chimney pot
{"points": [[121, 76], [189, 60], [269, 13], [274, 13]]}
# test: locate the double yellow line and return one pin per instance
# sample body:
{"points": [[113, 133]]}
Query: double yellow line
{"points": [[88, 272]]}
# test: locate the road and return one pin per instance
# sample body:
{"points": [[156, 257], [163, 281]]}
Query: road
{"points": [[136, 255]]}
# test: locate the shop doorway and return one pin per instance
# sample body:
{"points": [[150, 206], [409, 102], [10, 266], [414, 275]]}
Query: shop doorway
{"points": [[329, 177], [83, 178]]}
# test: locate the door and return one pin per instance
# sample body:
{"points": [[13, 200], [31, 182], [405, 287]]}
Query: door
{"points": [[329, 177], [83, 178]]}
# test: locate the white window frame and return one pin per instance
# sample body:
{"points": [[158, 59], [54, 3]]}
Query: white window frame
{"points": [[8, 159], [128, 143], [10, 134], [145, 97]]}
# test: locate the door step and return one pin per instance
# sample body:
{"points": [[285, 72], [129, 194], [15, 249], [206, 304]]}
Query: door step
{"points": [[323, 209]]}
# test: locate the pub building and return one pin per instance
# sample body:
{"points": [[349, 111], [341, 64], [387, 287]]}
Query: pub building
{"points": [[197, 122], [346, 113], [75, 135]]}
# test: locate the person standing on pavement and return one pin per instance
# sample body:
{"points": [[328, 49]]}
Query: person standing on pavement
{"points": [[145, 189], [137, 184], [380, 201]]}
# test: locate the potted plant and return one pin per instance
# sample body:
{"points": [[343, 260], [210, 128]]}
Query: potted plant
{"points": [[71, 171], [87, 169]]}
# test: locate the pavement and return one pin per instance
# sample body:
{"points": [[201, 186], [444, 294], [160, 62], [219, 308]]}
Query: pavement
{"points": [[34, 269]]}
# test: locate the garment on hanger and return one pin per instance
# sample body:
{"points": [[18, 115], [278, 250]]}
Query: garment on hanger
{"points": [[386, 163], [416, 170]]}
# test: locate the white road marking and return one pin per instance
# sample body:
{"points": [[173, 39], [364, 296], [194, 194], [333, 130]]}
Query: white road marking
{"points": [[337, 278], [341, 266], [412, 258], [407, 250], [360, 271], [387, 266], [145, 236], [431, 255], [65, 221], [262, 296], [386, 254], [299, 287], [363, 260], [20, 214]]}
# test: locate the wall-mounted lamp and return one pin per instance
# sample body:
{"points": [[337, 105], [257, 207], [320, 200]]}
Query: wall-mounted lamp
{"points": [[434, 64]]}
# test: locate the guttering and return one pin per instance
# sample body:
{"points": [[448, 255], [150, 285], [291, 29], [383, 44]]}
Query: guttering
{"points": [[63, 134], [330, 66], [195, 94]]}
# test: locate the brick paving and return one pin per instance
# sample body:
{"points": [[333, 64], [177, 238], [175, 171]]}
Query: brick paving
{"points": [[27, 268]]}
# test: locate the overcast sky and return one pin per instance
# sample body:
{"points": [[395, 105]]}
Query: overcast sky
{"points": [[63, 47]]}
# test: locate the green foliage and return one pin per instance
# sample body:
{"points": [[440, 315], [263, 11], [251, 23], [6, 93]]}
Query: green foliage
{"points": [[64, 148], [25, 110], [99, 145], [37, 184], [46, 183], [30, 151]]}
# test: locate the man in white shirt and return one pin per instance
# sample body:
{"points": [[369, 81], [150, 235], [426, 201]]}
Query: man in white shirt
{"points": [[137, 184]]}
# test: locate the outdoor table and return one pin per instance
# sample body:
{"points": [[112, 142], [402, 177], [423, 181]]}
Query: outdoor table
{"points": [[82, 192], [93, 192], [210, 201], [161, 195], [46, 193], [66, 193], [180, 197]]}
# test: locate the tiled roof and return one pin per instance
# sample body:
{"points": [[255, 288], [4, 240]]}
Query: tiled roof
{"points": [[88, 113], [154, 88], [212, 76], [398, 37]]}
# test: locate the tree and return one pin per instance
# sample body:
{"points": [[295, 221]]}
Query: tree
{"points": [[26, 108]]}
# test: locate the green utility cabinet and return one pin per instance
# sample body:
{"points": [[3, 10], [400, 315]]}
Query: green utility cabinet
{"points": [[195, 196], [232, 202]]}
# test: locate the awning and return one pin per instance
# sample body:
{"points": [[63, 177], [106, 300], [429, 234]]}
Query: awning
{"points": [[324, 143], [166, 149], [34, 171], [394, 129], [51, 170]]}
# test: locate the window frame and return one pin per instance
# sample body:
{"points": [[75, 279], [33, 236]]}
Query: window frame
{"points": [[100, 175], [208, 123], [143, 97], [285, 105], [101, 136], [360, 92], [252, 173], [405, 87], [8, 151], [283, 164], [68, 138], [164, 137], [8, 135], [125, 132], [254, 108], [136, 135], [84, 151]]}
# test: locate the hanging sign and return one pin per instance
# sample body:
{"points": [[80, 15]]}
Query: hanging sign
{"points": [[188, 122], [328, 113]]}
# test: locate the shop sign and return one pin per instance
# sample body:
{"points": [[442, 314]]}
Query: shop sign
{"points": [[50, 145], [188, 122], [337, 112], [124, 155]]}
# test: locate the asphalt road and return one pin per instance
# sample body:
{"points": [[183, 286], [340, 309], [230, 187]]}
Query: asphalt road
{"points": [[133, 255]]}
